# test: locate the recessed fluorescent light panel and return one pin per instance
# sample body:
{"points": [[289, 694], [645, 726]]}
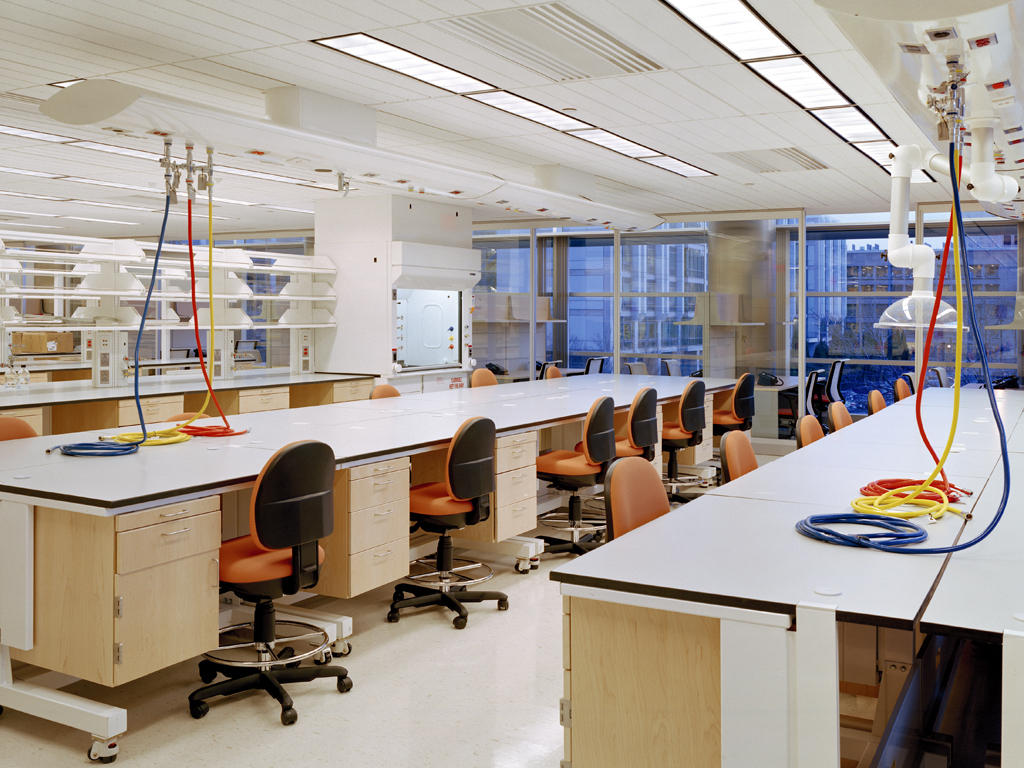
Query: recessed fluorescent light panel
{"points": [[800, 81], [735, 27], [398, 60], [30, 213], [920, 177], [34, 197], [141, 154], [21, 172], [615, 143], [66, 83], [850, 123], [98, 183], [516, 105], [102, 221], [33, 134], [676, 166], [878, 151]]}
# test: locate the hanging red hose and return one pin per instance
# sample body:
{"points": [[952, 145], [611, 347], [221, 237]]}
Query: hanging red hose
{"points": [[953, 492], [191, 429]]}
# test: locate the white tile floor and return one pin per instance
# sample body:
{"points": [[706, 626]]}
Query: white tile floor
{"points": [[425, 695]]}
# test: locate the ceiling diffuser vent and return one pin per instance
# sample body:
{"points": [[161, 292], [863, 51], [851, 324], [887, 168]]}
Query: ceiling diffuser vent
{"points": [[551, 40], [774, 160], [19, 97]]}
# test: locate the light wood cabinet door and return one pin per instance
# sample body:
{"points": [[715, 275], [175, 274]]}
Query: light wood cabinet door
{"points": [[167, 613]]}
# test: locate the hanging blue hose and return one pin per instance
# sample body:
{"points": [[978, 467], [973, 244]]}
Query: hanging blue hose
{"points": [[115, 448], [816, 526]]}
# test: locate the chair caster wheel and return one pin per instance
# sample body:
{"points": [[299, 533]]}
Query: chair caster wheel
{"points": [[108, 759], [393, 617], [521, 567], [344, 684], [198, 709], [399, 595], [289, 716], [459, 622], [342, 648], [207, 672], [326, 658], [503, 605]]}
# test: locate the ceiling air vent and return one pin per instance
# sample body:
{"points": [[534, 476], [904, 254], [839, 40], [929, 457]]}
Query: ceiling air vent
{"points": [[551, 40], [774, 160], [19, 97]]}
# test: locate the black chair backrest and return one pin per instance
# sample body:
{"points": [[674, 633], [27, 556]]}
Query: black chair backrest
{"points": [[809, 386], [469, 468], [643, 421], [293, 506], [833, 385], [599, 432], [673, 368], [692, 416], [743, 397]]}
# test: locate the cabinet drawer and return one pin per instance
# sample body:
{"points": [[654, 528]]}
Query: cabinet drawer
{"points": [[525, 437], [156, 544], [166, 514], [154, 409], [374, 491], [380, 565], [516, 485], [515, 456], [368, 528], [263, 392], [254, 403], [32, 416], [346, 391], [513, 519], [378, 469]]}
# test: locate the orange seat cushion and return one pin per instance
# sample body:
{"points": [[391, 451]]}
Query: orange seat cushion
{"points": [[243, 562], [725, 417], [622, 448], [675, 432], [569, 463], [432, 500]]}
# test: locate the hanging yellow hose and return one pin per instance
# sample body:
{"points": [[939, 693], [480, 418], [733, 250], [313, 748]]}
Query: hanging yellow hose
{"points": [[889, 503]]}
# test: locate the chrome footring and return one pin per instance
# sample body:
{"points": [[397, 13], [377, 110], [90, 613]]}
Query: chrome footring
{"points": [[453, 578], [586, 526], [314, 635]]}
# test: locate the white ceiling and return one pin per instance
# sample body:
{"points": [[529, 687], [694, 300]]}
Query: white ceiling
{"points": [[226, 54]]}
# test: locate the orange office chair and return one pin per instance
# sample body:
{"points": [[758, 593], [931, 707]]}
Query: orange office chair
{"points": [[292, 508], [572, 470], [838, 417], [552, 372], [384, 390], [689, 430], [482, 377], [737, 455], [178, 418], [462, 499], [741, 413], [12, 428], [808, 430], [641, 427], [633, 495], [876, 402], [901, 389]]}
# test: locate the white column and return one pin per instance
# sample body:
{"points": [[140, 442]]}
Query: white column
{"points": [[17, 542], [817, 686]]}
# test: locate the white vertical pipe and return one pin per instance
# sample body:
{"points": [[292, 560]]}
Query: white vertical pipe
{"points": [[801, 308], [532, 364], [617, 301]]}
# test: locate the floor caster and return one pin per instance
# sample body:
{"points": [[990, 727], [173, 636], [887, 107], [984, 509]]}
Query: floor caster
{"points": [[342, 648], [460, 622], [198, 709], [289, 716], [522, 567], [344, 684], [535, 563], [325, 658], [102, 751], [503, 605], [393, 617], [207, 672]]}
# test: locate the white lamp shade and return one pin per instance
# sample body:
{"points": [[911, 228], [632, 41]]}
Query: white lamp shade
{"points": [[915, 311]]}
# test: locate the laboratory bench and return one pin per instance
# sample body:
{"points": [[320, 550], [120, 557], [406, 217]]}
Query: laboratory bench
{"points": [[109, 565]]}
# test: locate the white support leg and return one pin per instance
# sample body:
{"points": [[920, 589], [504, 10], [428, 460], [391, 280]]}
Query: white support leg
{"points": [[17, 546], [817, 686], [1012, 750]]}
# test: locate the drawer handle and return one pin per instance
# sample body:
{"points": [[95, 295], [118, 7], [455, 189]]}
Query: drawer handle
{"points": [[519, 450], [217, 582], [264, 399], [518, 509], [385, 554], [175, 514], [520, 476], [383, 482], [382, 469], [383, 514], [175, 533]]}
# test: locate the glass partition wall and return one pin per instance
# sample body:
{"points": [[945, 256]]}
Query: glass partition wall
{"points": [[726, 297]]}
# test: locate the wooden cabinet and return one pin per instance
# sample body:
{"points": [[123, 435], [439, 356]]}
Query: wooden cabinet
{"points": [[370, 543], [118, 599], [33, 416], [356, 389], [154, 410], [269, 399]]}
